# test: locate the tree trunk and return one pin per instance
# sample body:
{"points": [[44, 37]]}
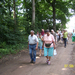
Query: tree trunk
{"points": [[47, 23], [9, 8], [14, 12], [33, 14], [54, 12], [25, 7]]}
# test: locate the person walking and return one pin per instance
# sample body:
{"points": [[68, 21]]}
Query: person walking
{"points": [[37, 34], [49, 46], [73, 37], [61, 36], [65, 35], [42, 32], [40, 44], [33, 46], [57, 37], [54, 34]]}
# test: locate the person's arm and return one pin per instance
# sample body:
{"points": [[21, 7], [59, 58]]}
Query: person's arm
{"points": [[43, 42], [55, 38], [54, 44], [41, 38], [37, 43], [37, 46], [53, 41]]}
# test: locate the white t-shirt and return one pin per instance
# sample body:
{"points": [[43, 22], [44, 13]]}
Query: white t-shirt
{"points": [[57, 35], [32, 39], [61, 34]]}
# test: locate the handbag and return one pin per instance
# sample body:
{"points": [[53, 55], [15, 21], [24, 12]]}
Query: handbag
{"points": [[55, 52], [47, 45]]}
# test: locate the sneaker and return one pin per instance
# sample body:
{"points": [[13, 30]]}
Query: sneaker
{"points": [[64, 46], [31, 61], [49, 62]]}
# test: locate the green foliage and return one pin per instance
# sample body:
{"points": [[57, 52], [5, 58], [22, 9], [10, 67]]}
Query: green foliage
{"points": [[12, 49], [14, 31]]}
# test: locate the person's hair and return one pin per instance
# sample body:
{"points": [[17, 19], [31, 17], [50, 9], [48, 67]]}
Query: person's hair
{"points": [[57, 31], [32, 31], [52, 30], [42, 29], [47, 30], [39, 33]]}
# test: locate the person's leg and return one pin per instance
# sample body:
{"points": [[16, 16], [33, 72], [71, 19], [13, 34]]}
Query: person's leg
{"points": [[65, 42], [49, 58], [50, 53], [30, 52], [61, 39], [34, 53], [72, 40], [40, 51], [45, 53], [57, 39]]}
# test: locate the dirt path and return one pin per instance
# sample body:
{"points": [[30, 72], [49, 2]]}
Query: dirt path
{"points": [[60, 64]]}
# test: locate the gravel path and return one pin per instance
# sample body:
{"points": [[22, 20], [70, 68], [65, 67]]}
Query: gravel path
{"points": [[61, 64]]}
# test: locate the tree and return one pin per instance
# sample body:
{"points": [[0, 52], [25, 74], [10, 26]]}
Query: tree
{"points": [[14, 12], [33, 14], [54, 13]]}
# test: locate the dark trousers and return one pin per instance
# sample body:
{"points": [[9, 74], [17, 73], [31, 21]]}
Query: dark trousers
{"points": [[32, 52], [65, 41]]}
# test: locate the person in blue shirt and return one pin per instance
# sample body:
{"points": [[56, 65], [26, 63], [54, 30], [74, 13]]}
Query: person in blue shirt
{"points": [[40, 43]]}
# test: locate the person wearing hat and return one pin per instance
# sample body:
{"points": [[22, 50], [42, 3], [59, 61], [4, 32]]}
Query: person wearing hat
{"points": [[49, 46], [33, 46], [65, 35]]}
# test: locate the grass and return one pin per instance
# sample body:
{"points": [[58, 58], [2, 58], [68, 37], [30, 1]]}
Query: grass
{"points": [[13, 49]]}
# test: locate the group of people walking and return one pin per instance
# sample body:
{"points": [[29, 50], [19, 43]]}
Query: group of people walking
{"points": [[46, 40]]}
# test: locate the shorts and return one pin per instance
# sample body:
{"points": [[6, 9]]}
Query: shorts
{"points": [[40, 47], [48, 51], [73, 39]]}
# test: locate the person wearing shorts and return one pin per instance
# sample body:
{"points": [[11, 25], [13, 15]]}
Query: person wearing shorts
{"points": [[73, 37], [49, 46], [40, 44]]}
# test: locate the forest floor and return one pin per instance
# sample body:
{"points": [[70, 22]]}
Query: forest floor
{"points": [[61, 64]]}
